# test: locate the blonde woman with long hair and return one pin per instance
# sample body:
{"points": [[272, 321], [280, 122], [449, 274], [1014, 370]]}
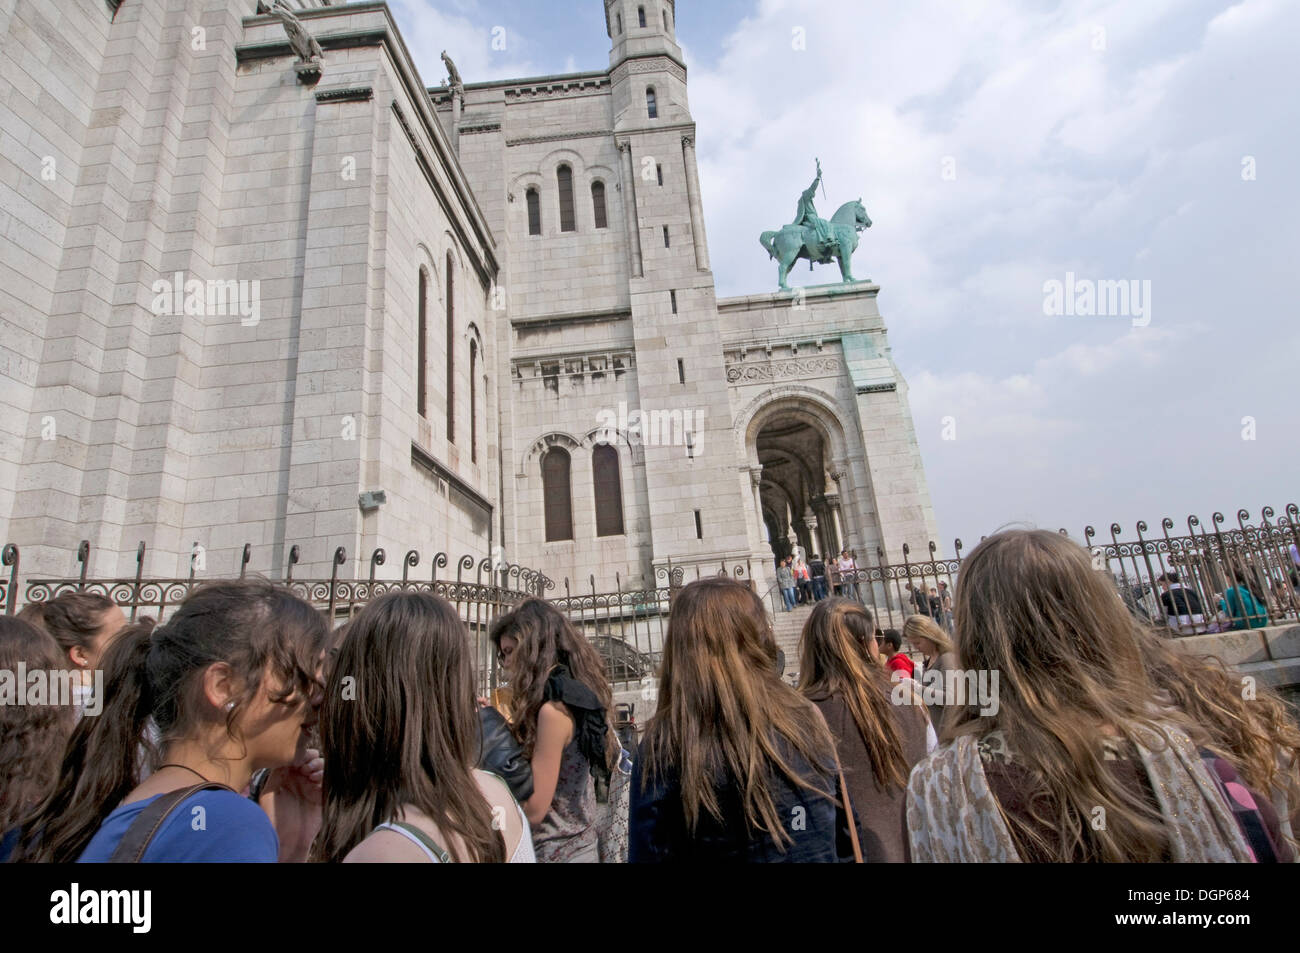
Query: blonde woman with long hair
{"points": [[735, 765], [1077, 763], [878, 740], [933, 643]]}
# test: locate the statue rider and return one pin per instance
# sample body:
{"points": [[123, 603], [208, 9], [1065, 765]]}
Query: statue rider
{"points": [[807, 215]]}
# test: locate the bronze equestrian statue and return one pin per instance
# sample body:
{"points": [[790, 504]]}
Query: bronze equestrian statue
{"points": [[812, 237]]}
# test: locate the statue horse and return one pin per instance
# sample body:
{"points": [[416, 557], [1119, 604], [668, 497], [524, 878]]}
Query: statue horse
{"points": [[793, 242]]}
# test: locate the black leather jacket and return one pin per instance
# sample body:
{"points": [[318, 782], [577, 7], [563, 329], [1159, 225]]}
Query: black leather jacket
{"points": [[500, 754]]}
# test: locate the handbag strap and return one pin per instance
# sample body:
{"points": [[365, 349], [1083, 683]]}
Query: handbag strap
{"points": [[138, 837], [848, 810]]}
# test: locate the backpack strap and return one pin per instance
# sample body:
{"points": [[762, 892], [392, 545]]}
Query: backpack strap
{"points": [[138, 837]]}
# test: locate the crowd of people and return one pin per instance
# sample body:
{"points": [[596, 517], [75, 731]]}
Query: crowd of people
{"points": [[368, 743]]}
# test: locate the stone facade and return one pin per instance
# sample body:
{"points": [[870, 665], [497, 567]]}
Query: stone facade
{"points": [[177, 142]]}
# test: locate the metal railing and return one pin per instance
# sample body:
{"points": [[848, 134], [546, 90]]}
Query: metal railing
{"points": [[1242, 576], [627, 626]]}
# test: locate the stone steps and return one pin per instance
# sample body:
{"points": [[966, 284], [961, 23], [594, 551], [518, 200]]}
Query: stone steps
{"points": [[788, 627]]}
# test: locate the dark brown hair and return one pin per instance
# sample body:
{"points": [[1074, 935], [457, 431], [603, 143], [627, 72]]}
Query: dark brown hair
{"points": [[546, 639], [32, 737], [260, 630], [72, 618], [399, 727]]}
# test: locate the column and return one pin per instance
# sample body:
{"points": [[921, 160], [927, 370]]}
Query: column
{"points": [[629, 210], [852, 538], [697, 210]]}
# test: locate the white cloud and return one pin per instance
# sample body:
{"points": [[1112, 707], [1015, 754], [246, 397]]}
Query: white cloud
{"points": [[1118, 163]]}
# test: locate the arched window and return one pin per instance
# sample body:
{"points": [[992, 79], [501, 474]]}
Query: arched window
{"points": [[534, 212], [598, 203], [451, 351], [620, 24], [473, 401], [651, 106], [564, 176], [422, 346], [640, 17], [609, 492], [557, 494]]}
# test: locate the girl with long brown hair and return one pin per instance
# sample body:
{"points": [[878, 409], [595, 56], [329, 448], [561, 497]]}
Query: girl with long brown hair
{"points": [[1074, 762], [560, 712], [735, 765], [230, 683], [878, 741], [400, 736], [32, 736]]}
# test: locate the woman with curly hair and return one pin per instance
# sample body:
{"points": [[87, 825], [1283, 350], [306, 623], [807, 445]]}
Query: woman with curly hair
{"points": [[1252, 744], [560, 712]]}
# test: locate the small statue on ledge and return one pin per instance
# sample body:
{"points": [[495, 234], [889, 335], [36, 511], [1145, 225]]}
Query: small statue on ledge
{"points": [[453, 76], [301, 41]]}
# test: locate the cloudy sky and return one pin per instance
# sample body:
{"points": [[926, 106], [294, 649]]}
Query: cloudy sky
{"points": [[999, 146]]}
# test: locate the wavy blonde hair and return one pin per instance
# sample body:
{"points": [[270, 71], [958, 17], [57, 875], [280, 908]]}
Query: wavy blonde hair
{"points": [[1259, 737], [1031, 608], [923, 627]]}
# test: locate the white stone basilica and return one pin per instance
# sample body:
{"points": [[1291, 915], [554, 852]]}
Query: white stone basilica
{"points": [[244, 285]]}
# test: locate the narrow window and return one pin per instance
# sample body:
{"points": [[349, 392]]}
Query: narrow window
{"points": [[690, 445], [665, 21], [681, 370], [620, 24], [699, 526], [609, 492], [650, 105], [666, 243], [672, 296], [451, 351], [422, 346], [598, 203], [564, 176], [473, 402], [557, 495], [640, 17], [534, 212], [659, 170]]}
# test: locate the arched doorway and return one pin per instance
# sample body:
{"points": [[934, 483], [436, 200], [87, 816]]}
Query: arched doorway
{"points": [[799, 507]]}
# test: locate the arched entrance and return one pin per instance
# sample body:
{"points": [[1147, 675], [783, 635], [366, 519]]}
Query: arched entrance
{"points": [[798, 497]]}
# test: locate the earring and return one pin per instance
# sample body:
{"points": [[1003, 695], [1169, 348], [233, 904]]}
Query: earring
{"points": [[230, 706]]}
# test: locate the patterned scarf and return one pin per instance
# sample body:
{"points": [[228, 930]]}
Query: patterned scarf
{"points": [[953, 815]]}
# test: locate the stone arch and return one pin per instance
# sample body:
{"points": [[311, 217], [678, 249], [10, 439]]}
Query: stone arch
{"points": [[816, 407]]}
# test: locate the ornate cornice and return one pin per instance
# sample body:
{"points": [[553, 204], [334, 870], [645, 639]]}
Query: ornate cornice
{"points": [[780, 370]]}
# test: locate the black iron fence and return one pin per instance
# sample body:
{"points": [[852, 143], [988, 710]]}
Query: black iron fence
{"points": [[1242, 576], [626, 625]]}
